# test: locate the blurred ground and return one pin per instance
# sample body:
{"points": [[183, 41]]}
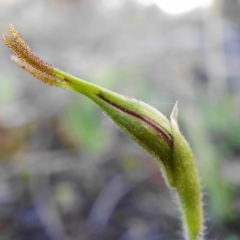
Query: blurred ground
{"points": [[65, 171]]}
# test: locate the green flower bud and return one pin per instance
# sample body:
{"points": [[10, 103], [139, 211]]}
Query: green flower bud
{"points": [[141, 122]]}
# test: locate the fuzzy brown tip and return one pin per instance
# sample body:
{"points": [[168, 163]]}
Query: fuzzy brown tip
{"points": [[28, 60], [43, 76]]}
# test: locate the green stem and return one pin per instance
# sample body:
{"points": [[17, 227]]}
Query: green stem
{"points": [[188, 186]]}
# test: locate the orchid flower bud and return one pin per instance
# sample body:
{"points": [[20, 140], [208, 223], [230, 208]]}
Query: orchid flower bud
{"points": [[142, 123]]}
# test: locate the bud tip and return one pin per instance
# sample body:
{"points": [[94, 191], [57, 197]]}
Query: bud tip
{"points": [[174, 114]]}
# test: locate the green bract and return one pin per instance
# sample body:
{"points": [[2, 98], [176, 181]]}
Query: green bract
{"points": [[141, 122]]}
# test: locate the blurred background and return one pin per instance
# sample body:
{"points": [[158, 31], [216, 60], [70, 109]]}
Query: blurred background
{"points": [[66, 172]]}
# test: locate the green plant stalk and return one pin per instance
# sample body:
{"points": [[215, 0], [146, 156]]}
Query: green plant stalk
{"points": [[142, 123], [188, 185]]}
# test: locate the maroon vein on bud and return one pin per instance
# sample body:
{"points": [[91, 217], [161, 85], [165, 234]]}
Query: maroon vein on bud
{"points": [[150, 123]]}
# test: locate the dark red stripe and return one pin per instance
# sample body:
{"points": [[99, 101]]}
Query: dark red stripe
{"points": [[144, 119]]}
